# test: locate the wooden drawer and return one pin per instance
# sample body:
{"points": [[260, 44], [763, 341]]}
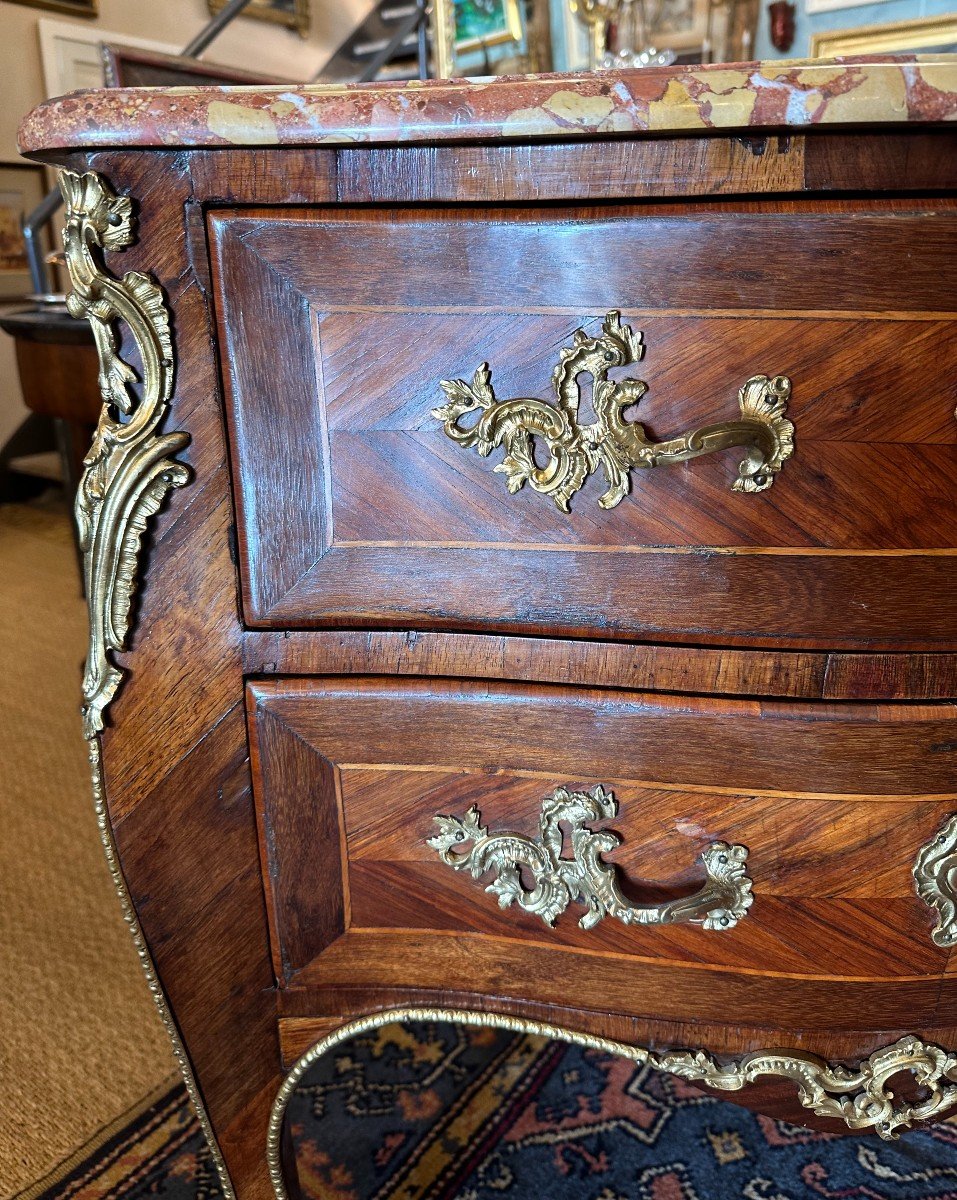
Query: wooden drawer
{"points": [[356, 507], [832, 802]]}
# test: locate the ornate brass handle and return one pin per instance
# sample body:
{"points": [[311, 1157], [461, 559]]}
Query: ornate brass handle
{"points": [[722, 901], [935, 877], [610, 442]]}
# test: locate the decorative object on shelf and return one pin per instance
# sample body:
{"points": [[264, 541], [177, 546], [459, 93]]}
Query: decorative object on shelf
{"points": [[610, 443], [128, 470], [21, 190], [926, 35], [625, 33], [781, 19], [467, 27], [721, 902], [596, 16], [651, 57], [294, 14], [935, 877]]}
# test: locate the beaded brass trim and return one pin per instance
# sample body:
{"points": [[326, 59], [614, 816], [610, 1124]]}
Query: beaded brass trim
{"points": [[149, 970], [376, 1021], [126, 476], [610, 443], [859, 1097]]}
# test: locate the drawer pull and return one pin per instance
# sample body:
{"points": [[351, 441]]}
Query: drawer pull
{"points": [[935, 876], [722, 901], [609, 443]]}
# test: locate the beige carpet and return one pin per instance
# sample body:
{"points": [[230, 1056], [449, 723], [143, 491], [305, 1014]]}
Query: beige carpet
{"points": [[80, 1040]]}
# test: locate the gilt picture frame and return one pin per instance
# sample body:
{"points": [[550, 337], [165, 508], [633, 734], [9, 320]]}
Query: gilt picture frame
{"points": [[925, 35], [294, 14], [463, 27]]}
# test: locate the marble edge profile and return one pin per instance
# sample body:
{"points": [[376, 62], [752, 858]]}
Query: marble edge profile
{"points": [[777, 95]]}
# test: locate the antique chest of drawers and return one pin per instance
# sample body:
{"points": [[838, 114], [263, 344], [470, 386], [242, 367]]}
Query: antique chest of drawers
{"points": [[520, 546]]}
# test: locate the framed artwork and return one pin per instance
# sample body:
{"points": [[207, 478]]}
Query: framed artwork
{"points": [[929, 35], [21, 190], [72, 57], [480, 23], [294, 14], [124, 66], [76, 8], [462, 27]]}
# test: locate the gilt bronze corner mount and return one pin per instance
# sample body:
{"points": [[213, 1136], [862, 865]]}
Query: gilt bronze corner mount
{"points": [[129, 468]]}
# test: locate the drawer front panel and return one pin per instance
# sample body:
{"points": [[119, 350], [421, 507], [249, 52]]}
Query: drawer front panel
{"points": [[356, 506], [832, 804]]}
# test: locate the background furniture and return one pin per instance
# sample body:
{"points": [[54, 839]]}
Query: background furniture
{"points": [[56, 359], [361, 654]]}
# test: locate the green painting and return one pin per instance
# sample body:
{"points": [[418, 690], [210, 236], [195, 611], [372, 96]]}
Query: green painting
{"points": [[481, 23]]}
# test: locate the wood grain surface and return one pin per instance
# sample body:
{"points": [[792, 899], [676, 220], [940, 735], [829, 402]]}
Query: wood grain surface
{"points": [[774, 669], [830, 856], [681, 669], [373, 514]]}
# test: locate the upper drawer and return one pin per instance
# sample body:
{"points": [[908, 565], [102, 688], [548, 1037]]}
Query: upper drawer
{"points": [[356, 506]]}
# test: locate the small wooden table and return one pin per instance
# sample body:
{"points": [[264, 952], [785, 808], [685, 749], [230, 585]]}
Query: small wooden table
{"points": [[57, 361]]}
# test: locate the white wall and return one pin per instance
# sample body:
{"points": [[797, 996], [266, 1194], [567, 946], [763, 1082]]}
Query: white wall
{"points": [[254, 45]]}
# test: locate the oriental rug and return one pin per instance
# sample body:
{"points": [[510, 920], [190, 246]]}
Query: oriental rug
{"points": [[439, 1112]]}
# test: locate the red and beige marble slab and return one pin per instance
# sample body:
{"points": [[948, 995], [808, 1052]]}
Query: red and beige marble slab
{"points": [[747, 96]]}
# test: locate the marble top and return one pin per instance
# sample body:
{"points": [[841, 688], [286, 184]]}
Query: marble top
{"points": [[746, 96]]}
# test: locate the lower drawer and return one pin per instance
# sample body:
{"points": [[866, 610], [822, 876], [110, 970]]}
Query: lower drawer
{"points": [[832, 804]]}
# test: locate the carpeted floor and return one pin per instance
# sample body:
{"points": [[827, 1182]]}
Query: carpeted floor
{"points": [[439, 1112], [80, 1041]]}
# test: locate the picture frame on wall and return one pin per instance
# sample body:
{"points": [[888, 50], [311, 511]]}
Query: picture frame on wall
{"points": [[294, 14], [466, 27], [72, 55], [925, 35], [74, 8], [22, 187], [481, 23]]}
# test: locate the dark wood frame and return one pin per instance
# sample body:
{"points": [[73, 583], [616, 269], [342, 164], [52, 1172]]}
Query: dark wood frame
{"points": [[75, 8], [126, 66], [265, 10]]}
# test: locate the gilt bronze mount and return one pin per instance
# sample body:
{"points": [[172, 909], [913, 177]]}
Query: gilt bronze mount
{"points": [[935, 877], [129, 469], [721, 902], [609, 443]]}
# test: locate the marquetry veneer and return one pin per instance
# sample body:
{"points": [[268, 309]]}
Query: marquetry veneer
{"points": [[350, 626]]}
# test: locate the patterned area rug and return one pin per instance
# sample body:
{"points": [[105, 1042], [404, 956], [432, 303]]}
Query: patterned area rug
{"points": [[441, 1112]]}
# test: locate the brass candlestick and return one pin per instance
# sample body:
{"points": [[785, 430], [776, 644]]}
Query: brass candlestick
{"points": [[597, 15]]}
